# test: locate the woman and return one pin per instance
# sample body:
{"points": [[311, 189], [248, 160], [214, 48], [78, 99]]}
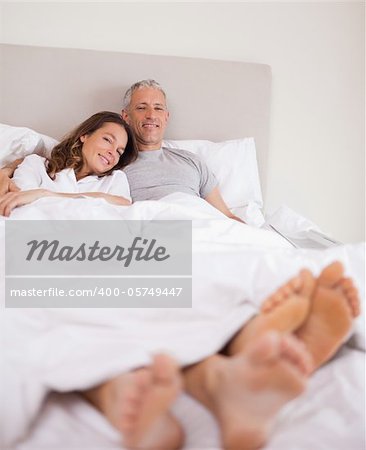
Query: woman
{"points": [[84, 163]]}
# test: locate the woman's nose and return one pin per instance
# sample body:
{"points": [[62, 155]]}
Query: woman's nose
{"points": [[113, 153]]}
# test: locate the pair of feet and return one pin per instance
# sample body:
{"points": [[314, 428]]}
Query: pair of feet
{"points": [[299, 328], [243, 392], [319, 312]]}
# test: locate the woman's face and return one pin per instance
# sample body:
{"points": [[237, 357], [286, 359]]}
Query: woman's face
{"points": [[102, 149]]}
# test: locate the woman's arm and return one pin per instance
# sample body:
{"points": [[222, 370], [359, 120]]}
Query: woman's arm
{"points": [[12, 200], [114, 199]]}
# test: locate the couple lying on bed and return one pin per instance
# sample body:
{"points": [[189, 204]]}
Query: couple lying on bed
{"points": [[155, 172], [266, 364]]}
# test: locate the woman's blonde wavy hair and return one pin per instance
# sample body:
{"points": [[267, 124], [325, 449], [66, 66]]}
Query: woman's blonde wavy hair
{"points": [[68, 153]]}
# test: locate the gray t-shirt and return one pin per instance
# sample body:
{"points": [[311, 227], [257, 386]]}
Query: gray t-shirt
{"points": [[157, 173]]}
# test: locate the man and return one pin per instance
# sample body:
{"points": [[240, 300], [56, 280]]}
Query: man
{"points": [[158, 171], [162, 171]]}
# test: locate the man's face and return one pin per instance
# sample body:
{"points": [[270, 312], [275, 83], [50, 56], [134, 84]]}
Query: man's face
{"points": [[148, 116]]}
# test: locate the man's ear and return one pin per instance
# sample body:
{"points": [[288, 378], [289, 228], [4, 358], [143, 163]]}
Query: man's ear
{"points": [[125, 116]]}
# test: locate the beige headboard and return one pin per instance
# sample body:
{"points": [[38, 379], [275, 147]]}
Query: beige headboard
{"points": [[51, 90]]}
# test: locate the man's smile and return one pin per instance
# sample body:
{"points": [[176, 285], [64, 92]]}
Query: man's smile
{"points": [[150, 125]]}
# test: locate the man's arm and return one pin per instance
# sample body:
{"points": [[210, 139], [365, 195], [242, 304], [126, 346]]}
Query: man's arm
{"points": [[214, 198], [6, 184]]}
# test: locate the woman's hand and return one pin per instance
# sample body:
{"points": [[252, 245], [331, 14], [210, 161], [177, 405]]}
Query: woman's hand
{"points": [[116, 199], [6, 184], [12, 200]]}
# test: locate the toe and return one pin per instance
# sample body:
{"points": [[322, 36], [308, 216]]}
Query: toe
{"points": [[351, 293], [354, 302], [308, 282], [331, 274], [286, 290], [347, 283], [278, 297], [296, 283], [268, 305], [274, 300], [164, 368], [143, 379]]}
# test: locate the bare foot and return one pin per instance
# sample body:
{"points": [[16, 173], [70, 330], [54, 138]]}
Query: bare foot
{"points": [[137, 404], [334, 305], [284, 311], [247, 390]]}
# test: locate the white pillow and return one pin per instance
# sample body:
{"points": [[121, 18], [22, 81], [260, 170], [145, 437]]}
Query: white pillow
{"points": [[18, 142], [234, 163]]}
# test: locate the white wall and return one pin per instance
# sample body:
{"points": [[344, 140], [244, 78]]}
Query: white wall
{"points": [[316, 51]]}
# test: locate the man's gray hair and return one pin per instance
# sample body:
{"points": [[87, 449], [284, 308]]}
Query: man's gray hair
{"points": [[139, 85]]}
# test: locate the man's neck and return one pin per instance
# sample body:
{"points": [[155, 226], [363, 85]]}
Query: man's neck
{"points": [[149, 149]]}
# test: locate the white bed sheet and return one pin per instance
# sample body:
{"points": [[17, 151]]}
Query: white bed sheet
{"points": [[223, 251], [317, 420]]}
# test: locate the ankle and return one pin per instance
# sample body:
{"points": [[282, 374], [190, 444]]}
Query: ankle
{"points": [[94, 396], [166, 434], [211, 380], [250, 439]]}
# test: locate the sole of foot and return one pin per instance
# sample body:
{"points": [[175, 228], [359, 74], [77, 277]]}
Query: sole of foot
{"points": [[334, 305], [137, 404], [284, 311], [246, 391]]}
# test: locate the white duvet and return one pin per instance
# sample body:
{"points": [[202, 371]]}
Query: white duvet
{"points": [[234, 268]]}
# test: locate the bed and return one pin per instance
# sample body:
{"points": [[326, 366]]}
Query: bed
{"points": [[45, 91]]}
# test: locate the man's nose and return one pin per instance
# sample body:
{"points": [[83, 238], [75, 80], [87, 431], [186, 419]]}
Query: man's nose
{"points": [[149, 113]]}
